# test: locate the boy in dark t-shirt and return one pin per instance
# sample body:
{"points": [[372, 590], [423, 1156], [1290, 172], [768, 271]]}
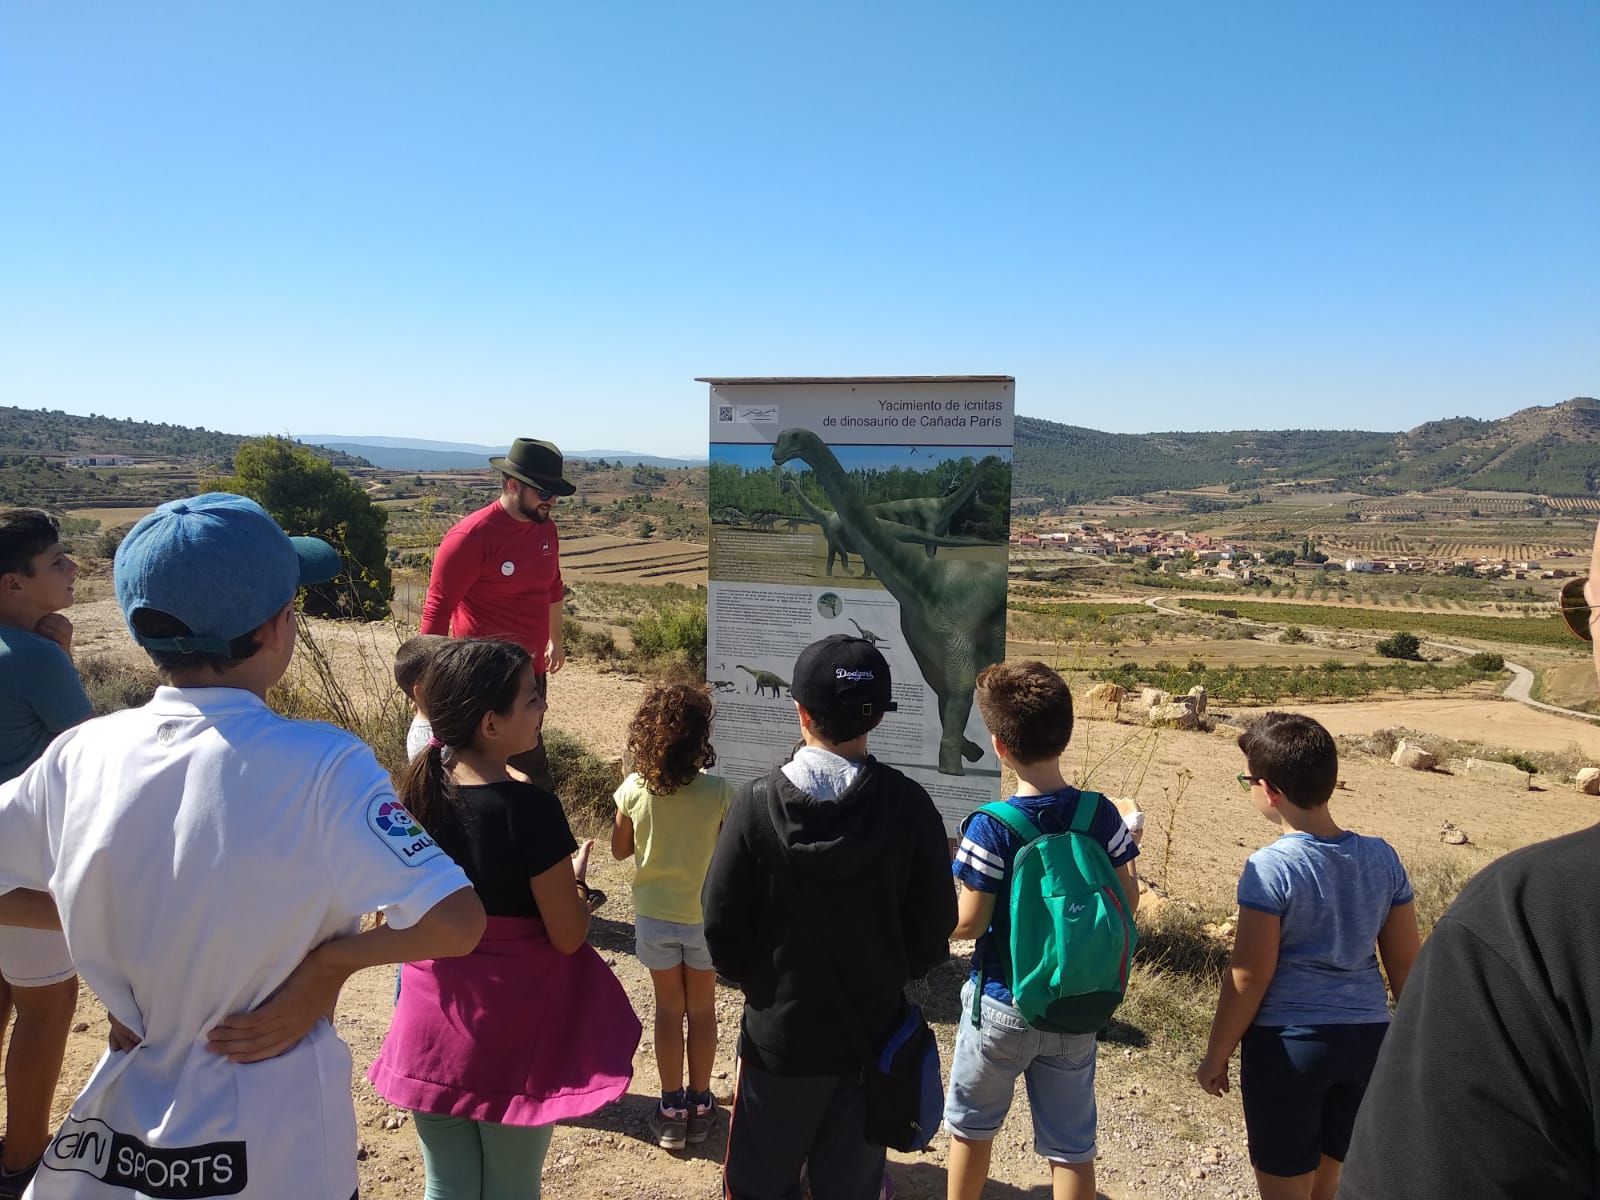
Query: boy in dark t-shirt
{"points": [[1028, 710]]}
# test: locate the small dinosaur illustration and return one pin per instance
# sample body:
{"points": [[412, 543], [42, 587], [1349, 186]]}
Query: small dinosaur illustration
{"points": [[764, 679]]}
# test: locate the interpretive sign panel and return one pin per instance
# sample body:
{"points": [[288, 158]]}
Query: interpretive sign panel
{"points": [[874, 507]]}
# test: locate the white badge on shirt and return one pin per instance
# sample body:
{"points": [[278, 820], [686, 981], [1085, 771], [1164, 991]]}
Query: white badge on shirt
{"points": [[389, 819]]}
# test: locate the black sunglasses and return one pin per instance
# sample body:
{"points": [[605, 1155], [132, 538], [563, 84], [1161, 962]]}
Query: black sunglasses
{"points": [[539, 491]]}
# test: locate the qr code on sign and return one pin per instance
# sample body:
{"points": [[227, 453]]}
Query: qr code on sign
{"points": [[724, 412]]}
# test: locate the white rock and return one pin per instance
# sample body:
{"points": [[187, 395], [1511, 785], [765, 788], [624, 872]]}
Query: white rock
{"points": [[1412, 756], [1197, 699], [1153, 697], [1174, 716], [1589, 781]]}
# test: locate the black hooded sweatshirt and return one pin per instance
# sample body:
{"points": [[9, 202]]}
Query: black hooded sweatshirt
{"points": [[871, 870]]}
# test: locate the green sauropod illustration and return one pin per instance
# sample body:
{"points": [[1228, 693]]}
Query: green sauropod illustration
{"points": [[764, 679], [933, 514], [842, 546], [952, 614]]}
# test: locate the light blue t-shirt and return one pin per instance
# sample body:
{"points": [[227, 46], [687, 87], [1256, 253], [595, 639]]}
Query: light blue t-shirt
{"points": [[1332, 896], [40, 695]]}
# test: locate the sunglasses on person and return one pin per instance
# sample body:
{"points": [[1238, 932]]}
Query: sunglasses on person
{"points": [[1576, 610], [539, 491], [1246, 782]]}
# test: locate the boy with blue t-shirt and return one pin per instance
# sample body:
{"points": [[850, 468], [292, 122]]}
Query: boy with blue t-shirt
{"points": [[40, 696], [1028, 710], [1303, 996]]}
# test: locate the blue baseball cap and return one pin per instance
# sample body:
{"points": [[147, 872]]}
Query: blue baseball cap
{"points": [[218, 563]]}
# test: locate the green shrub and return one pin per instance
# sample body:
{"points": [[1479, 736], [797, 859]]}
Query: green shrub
{"points": [[584, 781], [675, 633], [1402, 645], [1488, 663], [1294, 635]]}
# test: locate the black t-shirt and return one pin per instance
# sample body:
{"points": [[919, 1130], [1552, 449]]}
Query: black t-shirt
{"points": [[501, 835], [1487, 1081]]}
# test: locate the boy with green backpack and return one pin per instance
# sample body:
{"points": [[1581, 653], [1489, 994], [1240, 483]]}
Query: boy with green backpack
{"points": [[1049, 889]]}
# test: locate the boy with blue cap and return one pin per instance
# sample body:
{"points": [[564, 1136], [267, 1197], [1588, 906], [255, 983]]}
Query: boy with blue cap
{"points": [[206, 854]]}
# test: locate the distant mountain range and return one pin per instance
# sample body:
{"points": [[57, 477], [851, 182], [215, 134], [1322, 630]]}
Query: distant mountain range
{"points": [[420, 454], [1554, 450]]}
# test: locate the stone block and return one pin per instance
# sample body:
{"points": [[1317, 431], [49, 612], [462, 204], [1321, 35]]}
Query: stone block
{"points": [[1497, 772], [1413, 757]]}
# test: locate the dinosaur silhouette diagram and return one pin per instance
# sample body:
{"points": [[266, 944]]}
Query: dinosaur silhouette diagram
{"points": [[867, 634], [764, 679], [952, 614], [723, 685]]}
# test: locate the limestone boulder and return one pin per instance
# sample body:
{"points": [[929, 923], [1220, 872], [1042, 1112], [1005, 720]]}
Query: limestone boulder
{"points": [[1197, 700], [1152, 697], [1497, 772], [1588, 781], [1104, 701], [1413, 757], [1174, 716]]}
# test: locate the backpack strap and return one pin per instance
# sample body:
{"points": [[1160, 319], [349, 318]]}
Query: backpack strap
{"points": [[1014, 819], [1083, 814]]}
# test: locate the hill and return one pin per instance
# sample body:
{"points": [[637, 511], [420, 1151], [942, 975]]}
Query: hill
{"points": [[1553, 450], [152, 461]]}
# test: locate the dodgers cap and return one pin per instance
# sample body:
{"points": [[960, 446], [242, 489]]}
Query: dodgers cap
{"points": [[218, 563], [843, 675]]}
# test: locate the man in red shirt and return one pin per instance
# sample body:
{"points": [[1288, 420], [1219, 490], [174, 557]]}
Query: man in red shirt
{"points": [[497, 572]]}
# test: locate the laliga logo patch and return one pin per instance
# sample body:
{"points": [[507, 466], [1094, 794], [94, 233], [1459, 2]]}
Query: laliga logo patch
{"points": [[409, 842], [508, 567]]}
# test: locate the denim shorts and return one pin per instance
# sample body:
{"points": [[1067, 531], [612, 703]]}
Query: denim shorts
{"points": [[662, 945], [1302, 1086], [1058, 1069]]}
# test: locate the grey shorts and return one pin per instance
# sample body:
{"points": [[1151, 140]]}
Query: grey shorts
{"points": [[662, 945]]}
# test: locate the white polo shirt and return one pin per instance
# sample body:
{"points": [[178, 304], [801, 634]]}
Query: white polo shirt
{"points": [[197, 849]]}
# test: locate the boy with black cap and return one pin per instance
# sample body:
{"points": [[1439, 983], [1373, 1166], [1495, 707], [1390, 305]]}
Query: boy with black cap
{"points": [[828, 891], [205, 854]]}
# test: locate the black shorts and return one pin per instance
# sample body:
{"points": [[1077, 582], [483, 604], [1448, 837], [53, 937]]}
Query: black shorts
{"points": [[1302, 1086]]}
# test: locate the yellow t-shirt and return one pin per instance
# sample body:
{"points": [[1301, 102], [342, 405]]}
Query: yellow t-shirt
{"points": [[673, 837]]}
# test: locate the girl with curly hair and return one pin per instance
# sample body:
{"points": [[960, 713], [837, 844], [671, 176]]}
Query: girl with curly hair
{"points": [[668, 814]]}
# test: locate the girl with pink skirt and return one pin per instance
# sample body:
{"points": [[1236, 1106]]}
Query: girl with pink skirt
{"points": [[490, 1050]]}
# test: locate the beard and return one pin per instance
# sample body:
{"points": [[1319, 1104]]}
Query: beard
{"points": [[539, 511]]}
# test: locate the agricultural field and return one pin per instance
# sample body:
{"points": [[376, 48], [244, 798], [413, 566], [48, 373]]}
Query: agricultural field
{"points": [[1526, 631], [1330, 680], [631, 560]]}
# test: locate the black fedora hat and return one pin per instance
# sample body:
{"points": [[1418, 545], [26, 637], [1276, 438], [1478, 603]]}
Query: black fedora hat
{"points": [[538, 464]]}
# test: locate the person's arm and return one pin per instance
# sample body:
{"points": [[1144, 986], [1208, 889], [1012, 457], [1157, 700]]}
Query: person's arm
{"points": [[555, 653], [58, 629], [456, 565], [622, 836], [1244, 985], [974, 913], [451, 928], [731, 895], [56, 692], [928, 911], [29, 909], [1128, 877], [562, 894], [1398, 946]]}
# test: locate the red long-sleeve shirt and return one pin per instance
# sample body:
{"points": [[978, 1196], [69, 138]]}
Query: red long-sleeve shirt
{"points": [[495, 576]]}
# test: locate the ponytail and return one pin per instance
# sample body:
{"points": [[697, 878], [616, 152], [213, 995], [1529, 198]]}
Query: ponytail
{"points": [[425, 786]]}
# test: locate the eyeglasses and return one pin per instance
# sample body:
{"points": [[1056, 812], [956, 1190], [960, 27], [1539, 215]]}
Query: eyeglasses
{"points": [[1246, 782], [539, 491], [1576, 610]]}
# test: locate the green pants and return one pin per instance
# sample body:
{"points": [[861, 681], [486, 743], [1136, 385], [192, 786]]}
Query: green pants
{"points": [[478, 1160]]}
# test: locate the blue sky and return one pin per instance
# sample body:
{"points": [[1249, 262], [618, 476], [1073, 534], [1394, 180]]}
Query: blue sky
{"points": [[477, 221]]}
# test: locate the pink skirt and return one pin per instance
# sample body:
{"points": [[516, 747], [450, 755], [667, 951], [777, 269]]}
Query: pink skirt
{"points": [[515, 1033]]}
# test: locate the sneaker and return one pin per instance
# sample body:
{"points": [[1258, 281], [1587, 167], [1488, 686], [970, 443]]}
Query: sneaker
{"points": [[701, 1118], [14, 1183], [670, 1126]]}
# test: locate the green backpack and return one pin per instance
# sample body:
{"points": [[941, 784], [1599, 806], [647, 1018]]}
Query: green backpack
{"points": [[1071, 937]]}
